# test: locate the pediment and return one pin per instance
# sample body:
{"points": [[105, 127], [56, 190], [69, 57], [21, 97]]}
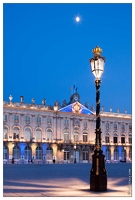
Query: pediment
{"points": [[77, 108]]}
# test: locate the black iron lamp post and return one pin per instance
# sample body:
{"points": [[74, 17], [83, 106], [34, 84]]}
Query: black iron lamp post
{"points": [[75, 153], [98, 173]]}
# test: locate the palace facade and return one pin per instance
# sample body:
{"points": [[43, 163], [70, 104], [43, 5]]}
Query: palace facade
{"points": [[65, 133]]}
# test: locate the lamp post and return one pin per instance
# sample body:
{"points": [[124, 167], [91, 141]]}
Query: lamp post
{"points": [[98, 173], [75, 153]]}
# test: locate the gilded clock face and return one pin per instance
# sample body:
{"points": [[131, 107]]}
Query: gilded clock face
{"points": [[76, 108]]}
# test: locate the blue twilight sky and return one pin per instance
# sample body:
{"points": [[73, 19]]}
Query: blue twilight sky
{"points": [[45, 52]]}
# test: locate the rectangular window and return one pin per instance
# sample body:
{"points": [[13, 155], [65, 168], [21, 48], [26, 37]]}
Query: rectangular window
{"points": [[39, 120], [75, 137], [85, 123], [16, 119], [66, 155], [66, 136], [85, 155], [115, 126], [5, 118], [84, 138], [48, 120], [130, 140], [49, 136], [66, 122], [123, 127], [107, 139], [107, 126], [130, 127], [122, 140], [15, 136], [27, 119], [115, 140]]}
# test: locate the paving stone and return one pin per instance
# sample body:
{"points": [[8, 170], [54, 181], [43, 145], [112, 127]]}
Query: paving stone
{"points": [[65, 180]]}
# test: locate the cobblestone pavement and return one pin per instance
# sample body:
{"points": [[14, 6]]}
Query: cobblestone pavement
{"points": [[63, 180]]}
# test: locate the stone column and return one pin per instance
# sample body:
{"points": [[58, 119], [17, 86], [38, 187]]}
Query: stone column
{"points": [[112, 152]]}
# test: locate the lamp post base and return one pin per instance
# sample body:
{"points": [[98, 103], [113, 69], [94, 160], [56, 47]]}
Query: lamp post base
{"points": [[98, 173], [98, 183]]}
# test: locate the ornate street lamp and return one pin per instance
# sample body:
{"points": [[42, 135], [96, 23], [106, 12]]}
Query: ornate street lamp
{"points": [[98, 173]]}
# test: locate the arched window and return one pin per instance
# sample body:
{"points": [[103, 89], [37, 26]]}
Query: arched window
{"points": [[38, 134], [27, 134], [27, 120], [16, 152], [108, 154], [16, 119], [85, 137], [123, 154], [107, 138], [39, 153], [16, 133], [27, 153], [85, 154], [116, 154], [5, 132], [5, 152], [115, 138], [75, 136], [66, 135], [49, 134], [130, 154], [66, 154], [123, 139], [49, 154]]}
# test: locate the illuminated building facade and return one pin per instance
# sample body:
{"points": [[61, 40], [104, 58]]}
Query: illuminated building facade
{"points": [[66, 133]]}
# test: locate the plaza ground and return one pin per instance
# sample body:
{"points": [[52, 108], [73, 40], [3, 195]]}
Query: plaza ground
{"points": [[63, 180]]}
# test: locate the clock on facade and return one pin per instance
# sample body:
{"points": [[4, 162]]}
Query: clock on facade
{"points": [[76, 98]]}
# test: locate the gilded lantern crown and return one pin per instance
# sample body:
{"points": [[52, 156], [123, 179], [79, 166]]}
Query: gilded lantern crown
{"points": [[97, 51]]}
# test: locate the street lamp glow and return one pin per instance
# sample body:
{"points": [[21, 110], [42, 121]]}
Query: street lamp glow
{"points": [[97, 63]]}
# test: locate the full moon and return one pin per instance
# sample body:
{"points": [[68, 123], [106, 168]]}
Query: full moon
{"points": [[77, 19]]}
